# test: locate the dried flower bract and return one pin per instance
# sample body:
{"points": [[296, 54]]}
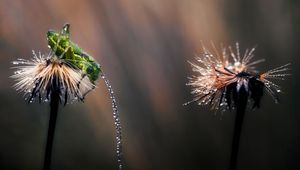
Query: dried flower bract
{"points": [[221, 75], [41, 75]]}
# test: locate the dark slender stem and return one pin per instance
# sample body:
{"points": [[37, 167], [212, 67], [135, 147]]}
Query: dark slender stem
{"points": [[54, 102], [240, 103]]}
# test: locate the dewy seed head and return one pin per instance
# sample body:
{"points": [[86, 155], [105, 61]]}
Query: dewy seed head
{"points": [[221, 75], [35, 78]]}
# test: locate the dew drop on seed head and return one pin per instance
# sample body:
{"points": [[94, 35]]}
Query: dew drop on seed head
{"points": [[17, 72]]}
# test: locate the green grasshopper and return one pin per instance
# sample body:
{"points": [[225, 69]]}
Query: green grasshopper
{"points": [[64, 48]]}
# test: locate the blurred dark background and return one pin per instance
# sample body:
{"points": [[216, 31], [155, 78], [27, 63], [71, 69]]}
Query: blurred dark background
{"points": [[143, 47]]}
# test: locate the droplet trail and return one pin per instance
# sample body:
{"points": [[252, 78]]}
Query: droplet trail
{"points": [[117, 122]]}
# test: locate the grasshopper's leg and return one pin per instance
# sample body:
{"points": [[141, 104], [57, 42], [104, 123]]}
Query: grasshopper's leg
{"points": [[64, 52], [64, 33], [57, 43], [66, 30], [68, 55]]}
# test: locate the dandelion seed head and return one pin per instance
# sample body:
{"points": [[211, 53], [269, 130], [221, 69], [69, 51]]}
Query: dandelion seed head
{"points": [[220, 75], [36, 77]]}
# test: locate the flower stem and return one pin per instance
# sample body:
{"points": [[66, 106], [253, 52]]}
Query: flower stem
{"points": [[240, 103], [54, 102]]}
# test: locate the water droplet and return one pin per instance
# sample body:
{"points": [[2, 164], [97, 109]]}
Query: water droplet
{"points": [[116, 122], [17, 72]]}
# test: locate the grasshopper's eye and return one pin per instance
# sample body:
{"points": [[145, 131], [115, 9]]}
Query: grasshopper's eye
{"points": [[50, 33]]}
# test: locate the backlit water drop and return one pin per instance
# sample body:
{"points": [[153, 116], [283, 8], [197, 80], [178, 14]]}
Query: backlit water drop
{"points": [[116, 117]]}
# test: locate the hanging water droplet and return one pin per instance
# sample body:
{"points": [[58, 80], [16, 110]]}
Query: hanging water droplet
{"points": [[116, 122]]}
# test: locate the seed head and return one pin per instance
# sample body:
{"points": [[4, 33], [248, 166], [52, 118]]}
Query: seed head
{"points": [[41, 75], [222, 75]]}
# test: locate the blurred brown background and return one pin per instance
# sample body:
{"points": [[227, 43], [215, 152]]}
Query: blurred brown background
{"points": [[143, 47]]}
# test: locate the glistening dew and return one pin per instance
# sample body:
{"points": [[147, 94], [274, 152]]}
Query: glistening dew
{"points": [[222, 74], [67, 74], [35, 78]]}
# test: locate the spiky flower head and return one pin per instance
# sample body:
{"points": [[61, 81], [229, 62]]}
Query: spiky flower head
{"points": [[42, 75], [222, 75]]}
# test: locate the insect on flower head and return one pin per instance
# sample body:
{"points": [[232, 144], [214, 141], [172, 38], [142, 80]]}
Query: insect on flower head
{"points": [[222, 76], [41, 75], [62, 46], [67, 70]]}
